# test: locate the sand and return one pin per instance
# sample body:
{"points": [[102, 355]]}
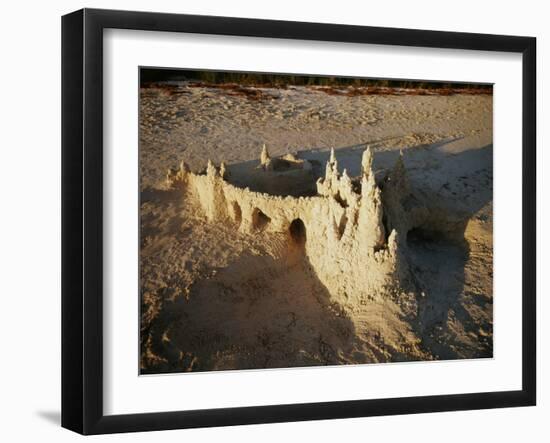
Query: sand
{"points": [[215, 298]]}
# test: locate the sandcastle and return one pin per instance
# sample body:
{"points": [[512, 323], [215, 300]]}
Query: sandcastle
{"points": [[352, 231]]}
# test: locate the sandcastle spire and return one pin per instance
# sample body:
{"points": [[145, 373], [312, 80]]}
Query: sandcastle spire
{"points": [[184, 170], [366, 161], [399, 172], [332, 156], [368, 186], [345, 176], [264, 156], [398, 178], [223, 170], [400, 164], [346, 186], [210, 169], [331, 171]]}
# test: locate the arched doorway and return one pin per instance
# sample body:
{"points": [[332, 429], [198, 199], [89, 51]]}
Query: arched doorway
{"points": [[297, 231], [236, 213]]}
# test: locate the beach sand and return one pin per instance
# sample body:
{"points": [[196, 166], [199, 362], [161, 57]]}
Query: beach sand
{"points": [[215, 298]]}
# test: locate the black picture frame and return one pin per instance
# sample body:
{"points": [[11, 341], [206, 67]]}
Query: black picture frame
{"points": [[82, 219]]}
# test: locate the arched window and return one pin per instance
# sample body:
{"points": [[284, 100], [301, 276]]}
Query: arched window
{"points": [[259, 220]]}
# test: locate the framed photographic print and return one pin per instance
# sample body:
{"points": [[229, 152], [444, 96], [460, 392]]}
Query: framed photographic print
{"points": [[270, 221]]}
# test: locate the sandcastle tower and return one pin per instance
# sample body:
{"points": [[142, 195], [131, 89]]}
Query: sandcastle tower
{"points": [[370, 225]]}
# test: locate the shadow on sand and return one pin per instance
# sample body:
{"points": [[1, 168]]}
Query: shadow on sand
{"points": [[258, 312]]}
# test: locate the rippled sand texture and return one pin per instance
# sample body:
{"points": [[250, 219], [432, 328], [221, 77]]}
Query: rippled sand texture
{"points": [[215, 298]]}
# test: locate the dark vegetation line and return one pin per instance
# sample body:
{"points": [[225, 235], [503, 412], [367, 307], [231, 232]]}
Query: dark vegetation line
{"points": [[150, 76]]}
